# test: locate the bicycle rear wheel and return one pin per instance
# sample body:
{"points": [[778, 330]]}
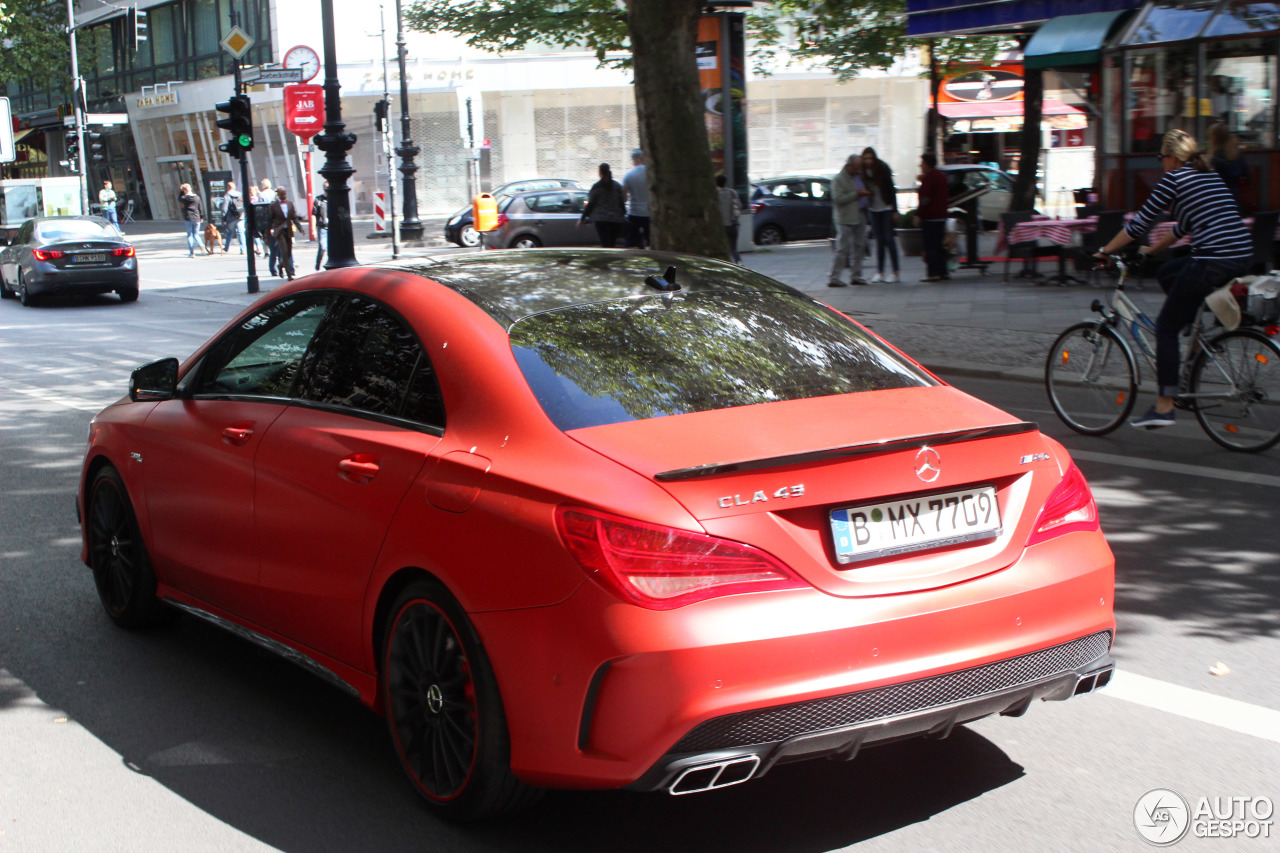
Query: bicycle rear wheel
{"points": [[1091, 378], [1235, 384]]}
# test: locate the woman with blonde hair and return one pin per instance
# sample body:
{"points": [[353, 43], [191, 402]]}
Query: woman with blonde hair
{"points": [[192, 216], [1221, 249]]}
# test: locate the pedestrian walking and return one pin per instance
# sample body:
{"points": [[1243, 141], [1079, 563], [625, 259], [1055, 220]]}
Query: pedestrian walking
{"points": [[730, 210], [932, 214], [320, 215], [882, 208], [233, 217], [262, 223], [192, 215], [636, 185], [107, 201], [848, 211], [284, 222], [606, 208]]}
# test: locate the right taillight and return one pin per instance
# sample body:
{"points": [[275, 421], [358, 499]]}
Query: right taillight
{"points": [[757, 206], [1070, 507], [660, 567]]}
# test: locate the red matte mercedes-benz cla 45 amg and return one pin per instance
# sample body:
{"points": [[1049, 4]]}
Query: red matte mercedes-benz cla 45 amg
{"points": [[598, 519]]}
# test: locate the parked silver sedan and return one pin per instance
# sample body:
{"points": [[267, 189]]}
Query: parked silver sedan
{"points": [[545, 218]]}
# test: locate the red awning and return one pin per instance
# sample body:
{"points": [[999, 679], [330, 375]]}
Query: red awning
{"points": [[992, 109]]}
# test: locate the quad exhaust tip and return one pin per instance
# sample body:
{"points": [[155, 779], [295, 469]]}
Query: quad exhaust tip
{"points": [[717, 774], [1093, 681]]}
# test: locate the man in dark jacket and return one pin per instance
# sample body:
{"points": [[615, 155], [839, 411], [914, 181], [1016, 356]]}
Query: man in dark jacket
{"points": [[320, 214], [933, 218], [284, 222], [192, 215]]}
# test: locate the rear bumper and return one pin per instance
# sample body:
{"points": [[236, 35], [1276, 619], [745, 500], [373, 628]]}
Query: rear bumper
{"points": [[732, 749], [99, 280], [632, 698]]}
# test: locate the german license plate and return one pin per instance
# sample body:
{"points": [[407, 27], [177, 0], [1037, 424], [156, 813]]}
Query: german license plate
{"points": [[89, 259], [869, 531]]}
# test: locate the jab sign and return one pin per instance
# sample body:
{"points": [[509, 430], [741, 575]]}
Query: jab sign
{"points": [[304, 110]]}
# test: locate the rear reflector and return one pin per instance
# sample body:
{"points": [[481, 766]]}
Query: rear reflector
{"points": [[661, 568], [1070, 507]]}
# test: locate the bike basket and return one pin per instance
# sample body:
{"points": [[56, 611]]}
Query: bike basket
{"points": [[1263, 300]]}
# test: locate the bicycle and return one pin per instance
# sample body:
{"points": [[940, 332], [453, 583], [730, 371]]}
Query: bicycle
{"points": [[1230, 379]]}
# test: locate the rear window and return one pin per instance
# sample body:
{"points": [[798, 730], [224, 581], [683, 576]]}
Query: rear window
{"points": [[645, 357], [76, 229]]}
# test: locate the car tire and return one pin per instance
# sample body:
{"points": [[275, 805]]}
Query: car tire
{"points": [[526, 241], [770, 235], [468, 236], [128, 294], [26, 298], [117, 555], [443, 708]]}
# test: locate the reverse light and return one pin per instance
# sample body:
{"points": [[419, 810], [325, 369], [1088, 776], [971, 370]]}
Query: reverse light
{"points": [[661, 568], [47, 254], [1070, 507], [125, 252]]}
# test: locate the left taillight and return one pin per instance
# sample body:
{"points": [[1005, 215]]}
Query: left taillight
{"points": [[125, 252], [47, 254], [660, 567], [1070, 507]]}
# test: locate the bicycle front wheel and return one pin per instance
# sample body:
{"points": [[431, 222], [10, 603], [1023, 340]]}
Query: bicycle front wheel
{"points": [[1091, 378], [1235, 386]]}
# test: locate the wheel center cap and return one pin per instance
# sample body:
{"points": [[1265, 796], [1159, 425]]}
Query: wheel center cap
{"points": [[115, 546], [435, 699]]}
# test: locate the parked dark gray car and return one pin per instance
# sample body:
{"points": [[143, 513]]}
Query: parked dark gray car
{"points": [[547, 218], [68, 255], [797, 207], [460, 229]]}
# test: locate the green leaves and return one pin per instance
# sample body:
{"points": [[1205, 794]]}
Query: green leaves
{"points": [[35, 41], [505, 26]]}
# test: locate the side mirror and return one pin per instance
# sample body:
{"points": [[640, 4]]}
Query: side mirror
{"points": [[155, 381]]}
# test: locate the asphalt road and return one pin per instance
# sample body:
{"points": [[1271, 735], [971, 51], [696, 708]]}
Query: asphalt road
{"points": [[185, 738]]}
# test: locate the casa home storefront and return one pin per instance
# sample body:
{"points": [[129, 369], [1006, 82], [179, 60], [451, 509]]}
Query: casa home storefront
{"points": [[1191, 65]]}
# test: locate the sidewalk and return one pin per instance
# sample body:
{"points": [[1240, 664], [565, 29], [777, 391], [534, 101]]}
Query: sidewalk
{"points": [[976, 323]]}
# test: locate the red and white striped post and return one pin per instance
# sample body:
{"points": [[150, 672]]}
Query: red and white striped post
{"points": [[379, 211]]}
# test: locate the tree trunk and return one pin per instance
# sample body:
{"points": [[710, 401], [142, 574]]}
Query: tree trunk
{"points": [[683, 206], [1024, 188]]}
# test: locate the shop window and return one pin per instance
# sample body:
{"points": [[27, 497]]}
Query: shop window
{"points": [[160, 33], [1162, 96], [1113, 103], [1240, 77]]}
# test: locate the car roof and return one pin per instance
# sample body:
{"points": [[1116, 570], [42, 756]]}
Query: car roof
{"points": [[514, 284]]}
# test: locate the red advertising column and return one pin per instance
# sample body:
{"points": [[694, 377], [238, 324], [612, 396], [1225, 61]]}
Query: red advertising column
{"points": [[304, 117]]}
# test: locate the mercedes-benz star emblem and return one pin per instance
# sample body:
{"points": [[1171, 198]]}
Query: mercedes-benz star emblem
{"points": [[928, 464]]}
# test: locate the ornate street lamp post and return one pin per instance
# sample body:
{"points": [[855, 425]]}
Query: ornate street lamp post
{"points": [[410, 227], [336, 143]]}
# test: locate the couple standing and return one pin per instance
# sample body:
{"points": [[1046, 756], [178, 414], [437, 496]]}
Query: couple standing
{"points": [[862, 194]]}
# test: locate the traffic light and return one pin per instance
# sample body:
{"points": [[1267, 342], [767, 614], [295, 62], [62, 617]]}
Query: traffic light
{"points": [[380, 115], [96, 151], [239, 123], [137, 25], [73, 151]]}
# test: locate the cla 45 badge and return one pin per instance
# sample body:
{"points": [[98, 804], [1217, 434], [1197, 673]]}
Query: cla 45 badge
{"points": [[760, 495]]}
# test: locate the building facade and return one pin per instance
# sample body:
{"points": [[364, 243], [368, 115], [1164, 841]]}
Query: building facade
{"points": [[543, 113]]}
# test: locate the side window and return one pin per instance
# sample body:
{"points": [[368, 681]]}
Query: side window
{"points": [[551, 203], [1003, 182], [796, 190], [577, 202], [820, 190], [261, 356], [372, 362]]}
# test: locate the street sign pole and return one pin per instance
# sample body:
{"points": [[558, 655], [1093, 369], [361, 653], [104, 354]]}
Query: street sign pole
{"points": [[246, 210], [77, 94]]}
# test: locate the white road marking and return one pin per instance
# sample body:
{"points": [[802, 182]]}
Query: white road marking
{"points": [[1178, 468], [1220, 711]]}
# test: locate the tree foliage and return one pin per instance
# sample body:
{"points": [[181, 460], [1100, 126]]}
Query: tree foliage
{"points": [[503, 26], [34, 38]]}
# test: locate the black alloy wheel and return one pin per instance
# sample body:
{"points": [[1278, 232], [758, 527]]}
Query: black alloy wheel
{"points": [[117, 555], [5, 292], [443, 709], [770, 235], [27, 299]]}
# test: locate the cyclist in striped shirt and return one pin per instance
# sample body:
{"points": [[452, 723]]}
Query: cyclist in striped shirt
{"points": [[1221, 249]]}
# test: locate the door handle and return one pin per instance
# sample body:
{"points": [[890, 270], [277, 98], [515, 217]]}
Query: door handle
{"points": [[237, 435], [360, 468]]}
